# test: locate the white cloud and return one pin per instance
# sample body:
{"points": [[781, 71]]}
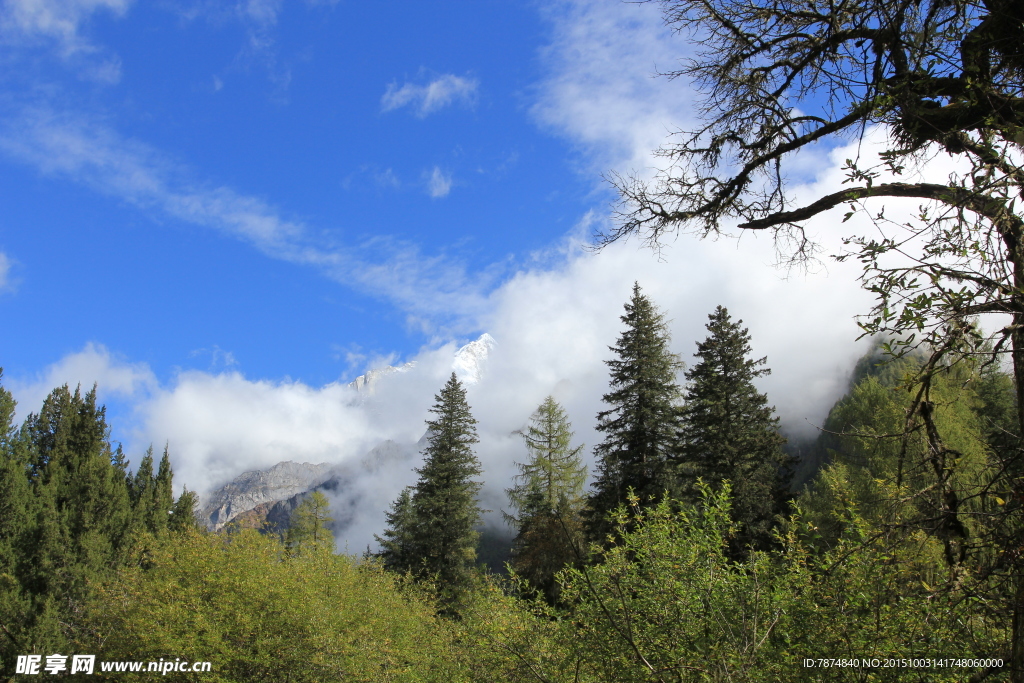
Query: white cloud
{"points": [[6, 282], [60, 22], [439, 183], [600, 88], [114, 377], [426, 99], [553, 327]]}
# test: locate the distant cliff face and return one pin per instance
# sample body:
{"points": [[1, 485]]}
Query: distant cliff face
{"points": [[259, 487], [267, 497]]}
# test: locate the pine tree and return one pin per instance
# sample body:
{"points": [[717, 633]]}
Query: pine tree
{"points": [[308, 528], [152, 495], [642, 423], [546, 499], [438, 530], [730, 432]]}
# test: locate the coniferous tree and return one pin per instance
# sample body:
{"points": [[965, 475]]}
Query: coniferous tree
{"points": [[397, 547], [142, 490], [443, 508], [152, 495], [642, 424], [163, 492], [16, 511], [184, 512], [68, 515], [308, 527], [730, 432], [547, 499]]}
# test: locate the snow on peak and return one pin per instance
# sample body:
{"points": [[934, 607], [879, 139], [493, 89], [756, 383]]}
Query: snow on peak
{"points": [[367, 383], [470, 360]]}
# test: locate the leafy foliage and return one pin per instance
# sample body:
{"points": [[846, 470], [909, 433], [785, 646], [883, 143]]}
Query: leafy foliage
{"points": [[258, 612], [668, 604], [308, 528]]}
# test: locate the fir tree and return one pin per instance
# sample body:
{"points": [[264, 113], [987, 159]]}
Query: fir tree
{"points": [[163, 492], [397, 549], [642, 423], [438, 530], [142, 491], [730, 432], [546, 500]]}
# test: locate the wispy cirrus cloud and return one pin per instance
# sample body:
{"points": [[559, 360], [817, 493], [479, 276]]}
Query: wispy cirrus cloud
{"points": [[260, 48], [433, 96], [433, 290], [600, 88], [6, 282], [88, 152], [60, 24]]}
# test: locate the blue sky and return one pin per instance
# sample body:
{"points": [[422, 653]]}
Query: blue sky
{"points": [[373, 129], [221, 211]]}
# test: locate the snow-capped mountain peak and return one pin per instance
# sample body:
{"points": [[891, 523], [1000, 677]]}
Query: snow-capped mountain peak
{"points": [[471, 359]]}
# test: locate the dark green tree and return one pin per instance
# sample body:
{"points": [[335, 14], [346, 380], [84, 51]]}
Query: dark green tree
{"points": [[729, 432], [397, 544], [641, 426], [77, 520], [151, 495], [546, 500], [184, 512], [143, 491], [16, 512], [68, 517], [308, 528], [443, 507]]}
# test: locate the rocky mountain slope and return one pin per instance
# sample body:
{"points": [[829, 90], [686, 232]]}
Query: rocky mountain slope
{"points": [[266, 498]]}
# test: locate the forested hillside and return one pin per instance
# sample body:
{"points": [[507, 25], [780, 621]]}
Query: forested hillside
{"points": [[688, 557]]}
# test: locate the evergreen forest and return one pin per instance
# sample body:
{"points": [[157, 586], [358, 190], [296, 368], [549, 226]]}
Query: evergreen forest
{"points": [[702, 546]]}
